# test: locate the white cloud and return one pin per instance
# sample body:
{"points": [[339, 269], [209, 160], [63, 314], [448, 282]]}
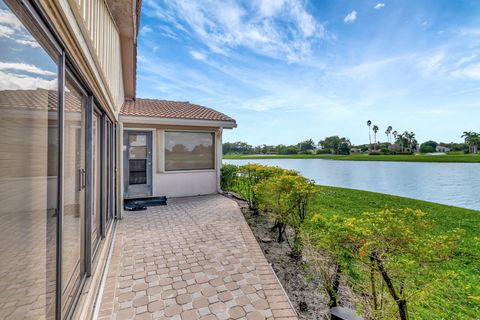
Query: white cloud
{"points": [[25, 68], [270, 8], [12, 81], [434, 111], [379, 6], [472, 72], [370, 68], [278, 29], [12, 28], [145, 30], [351, 17], [197, 55], [432, 64], [6, 31], [465, 60], [32, 43], [9, 19]]}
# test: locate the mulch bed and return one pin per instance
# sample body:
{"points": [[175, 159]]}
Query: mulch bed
{"points": [[302, 289]]}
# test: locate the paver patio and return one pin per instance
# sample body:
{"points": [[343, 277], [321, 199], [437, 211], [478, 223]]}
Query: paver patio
{"points": [[193, 259]]}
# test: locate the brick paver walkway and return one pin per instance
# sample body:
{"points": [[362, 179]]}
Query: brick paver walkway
{"points": [[193, 259]]}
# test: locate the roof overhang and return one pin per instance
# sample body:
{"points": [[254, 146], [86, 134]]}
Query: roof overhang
{"points": [[126, 14], [178, 122]]}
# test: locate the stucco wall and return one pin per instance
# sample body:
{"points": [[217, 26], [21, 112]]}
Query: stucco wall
{"points": [[181, 183]]}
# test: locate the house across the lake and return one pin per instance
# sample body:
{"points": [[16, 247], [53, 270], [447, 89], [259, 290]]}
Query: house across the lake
{"points": [[75, 141], [440, 148]]}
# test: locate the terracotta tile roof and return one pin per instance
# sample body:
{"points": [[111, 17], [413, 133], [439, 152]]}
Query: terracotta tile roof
{"points": [[171, 109], [40, 99]]}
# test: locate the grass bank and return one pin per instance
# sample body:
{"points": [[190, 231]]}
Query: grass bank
{"points": [[455, 157], [458, 298]]}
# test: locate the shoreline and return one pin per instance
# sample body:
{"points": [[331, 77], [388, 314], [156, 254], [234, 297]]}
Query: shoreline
{"points": [[454, 158]]}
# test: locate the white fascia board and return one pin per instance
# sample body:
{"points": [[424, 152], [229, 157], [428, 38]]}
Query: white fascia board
{"points": [[178, 122]]}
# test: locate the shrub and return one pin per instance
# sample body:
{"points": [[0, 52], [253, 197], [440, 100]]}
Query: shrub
{"points": [[285, 198], [428, 147], [253, 174], [390, 249], [228, 176]]}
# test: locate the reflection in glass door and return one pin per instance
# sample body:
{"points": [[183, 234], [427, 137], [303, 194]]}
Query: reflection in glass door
{"points": [[74, 192], [28, 171], [97, 191]]}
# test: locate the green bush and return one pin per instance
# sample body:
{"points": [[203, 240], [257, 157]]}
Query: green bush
{"points": [[243, 179], [388, 252], [228, 176], [285, 198]]}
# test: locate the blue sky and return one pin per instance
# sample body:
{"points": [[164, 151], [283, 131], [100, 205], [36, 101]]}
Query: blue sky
{"points": [[288, 70]]}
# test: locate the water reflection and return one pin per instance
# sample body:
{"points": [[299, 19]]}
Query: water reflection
{"points": [[453, 184]]}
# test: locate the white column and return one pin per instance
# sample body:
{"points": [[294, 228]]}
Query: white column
{"points": [[120, 182], [160, 151], [219, 156]]}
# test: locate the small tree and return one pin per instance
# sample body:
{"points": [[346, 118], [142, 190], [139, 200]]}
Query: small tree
{"points": [[306, 146], [428, 147], [393, 247], [285, 198]]}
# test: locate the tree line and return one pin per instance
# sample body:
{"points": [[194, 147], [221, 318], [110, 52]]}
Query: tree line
{"points": [[396, 143]]}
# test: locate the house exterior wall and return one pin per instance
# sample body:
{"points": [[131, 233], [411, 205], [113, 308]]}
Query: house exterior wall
{"points": [[180, 183], [92, 41]]}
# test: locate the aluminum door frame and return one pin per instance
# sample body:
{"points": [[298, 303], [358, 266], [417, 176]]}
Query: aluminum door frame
{"points": [[126, 170]]}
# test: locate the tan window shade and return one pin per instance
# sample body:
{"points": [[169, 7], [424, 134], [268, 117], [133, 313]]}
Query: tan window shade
{"points": [[189, 151]]}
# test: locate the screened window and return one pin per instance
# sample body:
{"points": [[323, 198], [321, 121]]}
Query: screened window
{"points": [[189, 151]]}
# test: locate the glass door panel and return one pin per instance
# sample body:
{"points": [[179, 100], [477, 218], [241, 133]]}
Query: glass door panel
{"points": [[28, 172], [97, 191], [138, 160], [74, 192]]}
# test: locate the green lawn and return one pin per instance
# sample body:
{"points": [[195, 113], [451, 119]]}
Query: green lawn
{"points": [[459, 298], [454, 157]]}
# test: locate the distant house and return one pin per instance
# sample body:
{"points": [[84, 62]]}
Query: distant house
{"points": [[441, 148], [355, 150]]}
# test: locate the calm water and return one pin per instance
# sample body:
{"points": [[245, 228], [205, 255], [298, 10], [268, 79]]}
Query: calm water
{"points": [[456, 184]]}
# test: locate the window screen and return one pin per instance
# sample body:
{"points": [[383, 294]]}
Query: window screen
{"points": [[189, 151]]}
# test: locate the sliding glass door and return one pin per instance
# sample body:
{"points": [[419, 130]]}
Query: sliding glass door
{"points": [[29, 149], [97, 180], [74, 191], [56, 172]]}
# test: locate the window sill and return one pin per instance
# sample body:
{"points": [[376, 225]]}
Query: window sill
{"points": [[188, 171]]}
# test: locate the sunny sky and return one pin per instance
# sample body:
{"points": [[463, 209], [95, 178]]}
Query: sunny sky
{"points": [[288, 70]]}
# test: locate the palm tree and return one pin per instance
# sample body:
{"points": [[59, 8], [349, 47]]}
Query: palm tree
{"points": [[375, 130], [471, 139], [389, 129], [369, 123]]}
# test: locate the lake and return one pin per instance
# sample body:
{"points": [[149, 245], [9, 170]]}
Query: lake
{"points": [[456, 184]]}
